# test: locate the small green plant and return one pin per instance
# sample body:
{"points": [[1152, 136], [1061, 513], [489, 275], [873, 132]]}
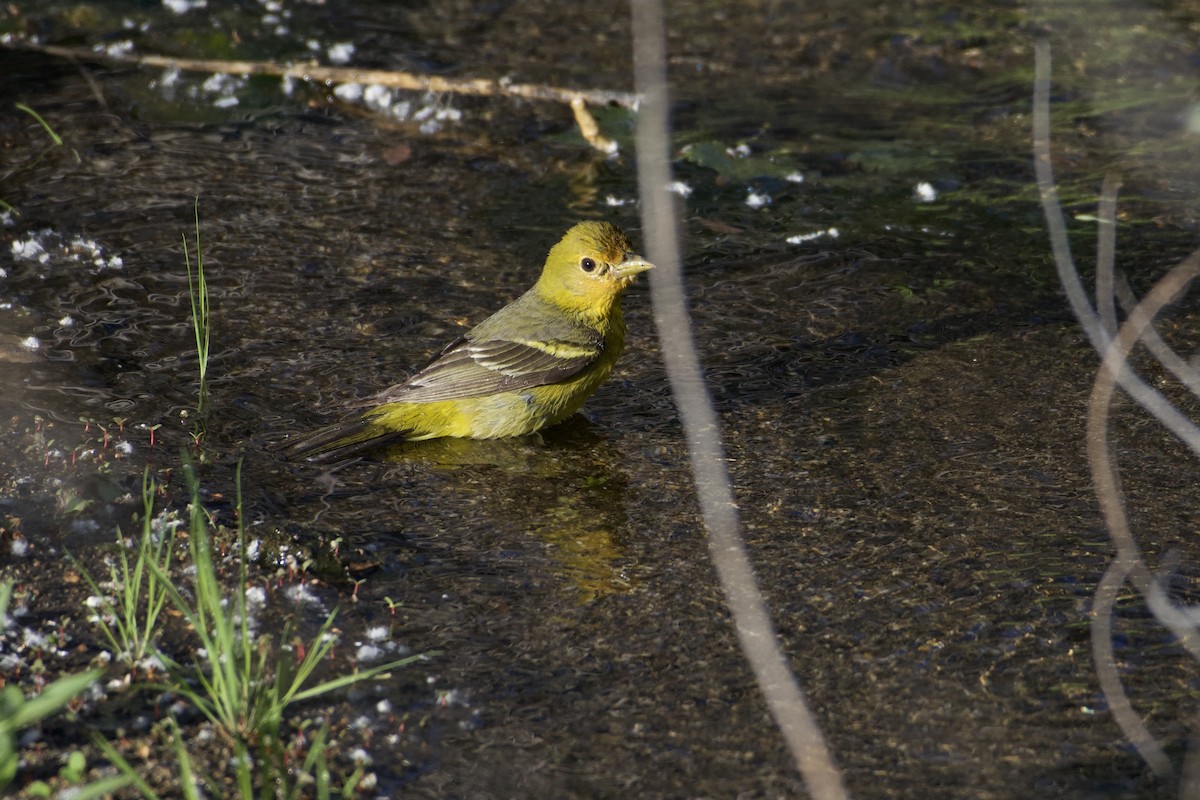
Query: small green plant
{"points": [[55, 141], [247, 686], [311, 779], [188, 785], [201, 322], [131, 621], [80, 789], [54, 137], [74, 775], [75, 770], [316, 768], [18, 712]]}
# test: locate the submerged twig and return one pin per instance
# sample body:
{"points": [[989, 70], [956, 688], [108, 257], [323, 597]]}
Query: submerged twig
{"points": [[1115, 345], [483, 87], [1106, 249], [1105, 661], [1110, 287], [1104, 475], [1128, 562], [1183, 371], [1147, 397], [589, 129], [702, 429], [1189, 777], [480, 87]]}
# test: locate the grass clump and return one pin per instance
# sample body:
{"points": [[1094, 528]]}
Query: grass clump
{"points": [[243, 682], [245, 685], [130, 621]]}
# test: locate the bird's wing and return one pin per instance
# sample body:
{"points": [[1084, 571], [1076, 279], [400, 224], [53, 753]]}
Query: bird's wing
{"points": [[471, 368]]}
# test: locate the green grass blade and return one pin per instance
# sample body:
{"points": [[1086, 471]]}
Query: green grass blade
{"points": [[105, 787], [124, 767], [377, 672], [53, 697], [187, 776], [54, 137], [201, 321], [5, 597]]}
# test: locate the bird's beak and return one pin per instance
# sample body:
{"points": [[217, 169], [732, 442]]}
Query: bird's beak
{"points": [[628, 269]]}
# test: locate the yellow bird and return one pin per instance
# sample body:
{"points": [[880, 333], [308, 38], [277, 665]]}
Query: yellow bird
{"points": [[528, 366]]}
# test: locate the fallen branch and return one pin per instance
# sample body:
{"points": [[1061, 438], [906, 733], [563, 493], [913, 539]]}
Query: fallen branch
{"points": [[481, 87]]}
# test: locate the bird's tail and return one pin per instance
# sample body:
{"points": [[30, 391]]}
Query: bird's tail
{"points": [[339, 441]]}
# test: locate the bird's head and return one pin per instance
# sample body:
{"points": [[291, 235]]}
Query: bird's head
{"points": [[589, 268]]}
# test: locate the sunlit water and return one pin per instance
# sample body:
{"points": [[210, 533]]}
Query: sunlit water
{"points": [[902, 390]]}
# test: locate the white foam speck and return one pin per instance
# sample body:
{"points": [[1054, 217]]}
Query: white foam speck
{"points": [[27, 248], [377, 97], [183, 6], [756, 200], [367, 653], [350, 92], [832, 233], [120, 48], [341, 53]]}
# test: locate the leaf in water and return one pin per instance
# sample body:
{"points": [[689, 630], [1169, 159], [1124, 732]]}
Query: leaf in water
{"points": [[736, 166]]}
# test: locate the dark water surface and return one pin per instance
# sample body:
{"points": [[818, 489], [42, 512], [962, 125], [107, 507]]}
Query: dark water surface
{"points": [[904, 401]]}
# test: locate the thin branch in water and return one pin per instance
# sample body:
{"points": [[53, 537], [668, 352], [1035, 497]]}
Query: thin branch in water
{"points": [[753, 624], [1182, 621], [481, 87], [588, 128], [1104, 474], [1189, 781], [1183, 371], [1115, 346], [1106, 254], [410, 81], [1111, 686], [1128, 563], [1109, 285], [1055, 221], [1149, 398]]}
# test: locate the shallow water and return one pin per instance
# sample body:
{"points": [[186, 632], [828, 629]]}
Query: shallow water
{"points": [[903, 401]]}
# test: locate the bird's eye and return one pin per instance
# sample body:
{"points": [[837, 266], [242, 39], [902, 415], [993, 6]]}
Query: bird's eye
{"points": [[587, 265]]}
